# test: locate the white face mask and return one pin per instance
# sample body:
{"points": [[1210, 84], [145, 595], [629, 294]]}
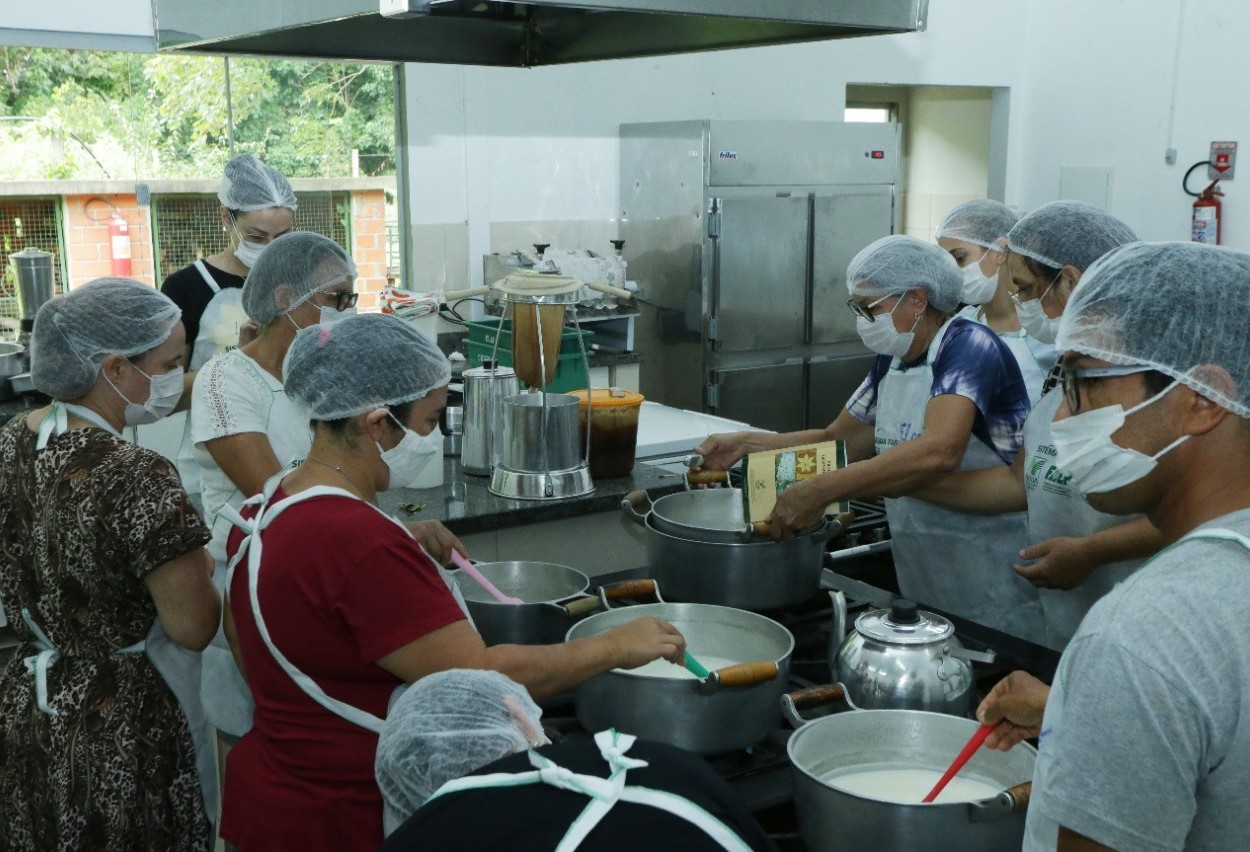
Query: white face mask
{"points": [[408, 458], [1034, 320], [978, 289], [329, 316], [248, 253], [163, 397], [882, 337], [1084, 449]]}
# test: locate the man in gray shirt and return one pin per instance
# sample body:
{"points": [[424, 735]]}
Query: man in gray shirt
{"points": [[1144, 742]]}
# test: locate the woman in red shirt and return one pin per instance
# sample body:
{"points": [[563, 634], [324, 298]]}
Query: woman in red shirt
{"points": [[333, 605]]}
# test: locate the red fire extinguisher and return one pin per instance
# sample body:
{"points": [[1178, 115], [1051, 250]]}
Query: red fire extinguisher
{"points": [[119, 246], [1207, 213]]}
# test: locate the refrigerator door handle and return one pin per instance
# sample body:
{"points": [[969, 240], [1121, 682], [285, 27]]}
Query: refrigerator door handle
{"points": [[809, 288]]}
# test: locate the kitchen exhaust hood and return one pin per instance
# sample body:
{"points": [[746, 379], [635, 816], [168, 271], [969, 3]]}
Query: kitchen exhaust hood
{"points": [[520, 34]]}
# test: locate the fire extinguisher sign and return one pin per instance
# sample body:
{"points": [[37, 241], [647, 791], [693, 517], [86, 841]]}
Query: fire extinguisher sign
{"points": [[1223, 158]]}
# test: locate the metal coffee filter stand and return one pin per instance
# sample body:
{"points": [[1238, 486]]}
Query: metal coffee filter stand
{"points": [[543, 483]]}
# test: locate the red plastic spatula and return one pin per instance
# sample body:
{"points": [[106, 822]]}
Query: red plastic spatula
{"points": [[964, 756]]}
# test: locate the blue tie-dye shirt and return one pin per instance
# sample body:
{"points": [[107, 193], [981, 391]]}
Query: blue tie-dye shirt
{"points": [[972, 362]]}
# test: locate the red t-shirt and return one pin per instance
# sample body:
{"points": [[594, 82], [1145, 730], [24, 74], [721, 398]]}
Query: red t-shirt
{"points": [[341, 586]]}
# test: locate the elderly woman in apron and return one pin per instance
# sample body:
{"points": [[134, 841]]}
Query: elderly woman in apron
{"points": [[466, 742], [106, 584], [257, 206], [975, 235], [944, 394], [333, 605], [1080, 552]]}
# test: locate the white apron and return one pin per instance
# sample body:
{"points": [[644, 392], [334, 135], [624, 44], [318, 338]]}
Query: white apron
{"points": [[179, 667], [1055, 510], [958, 562], [1040, 831], [219, 333], [252, 545], [603, 793]]}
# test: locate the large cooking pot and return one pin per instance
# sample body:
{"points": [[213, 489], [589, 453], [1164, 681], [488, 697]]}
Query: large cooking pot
{"points": [[709, 514], [734, 707], [836, 820], [760, 574], [554, 597], [12, 363]]}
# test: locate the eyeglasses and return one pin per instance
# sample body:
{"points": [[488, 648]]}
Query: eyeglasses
{"points": [[343, 299], [1072, 380], [865, 311], [1015, 297]]}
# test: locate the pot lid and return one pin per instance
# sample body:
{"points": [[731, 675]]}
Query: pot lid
{"points": [[904, 624], [609, 397]]}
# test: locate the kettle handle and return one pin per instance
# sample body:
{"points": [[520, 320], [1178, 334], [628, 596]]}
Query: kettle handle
{"points": [[837, 632]]}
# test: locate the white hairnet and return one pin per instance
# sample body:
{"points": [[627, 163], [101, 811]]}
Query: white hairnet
{"points": [[360, 364], [895, 264], [248, 184], [982, 222], [1179, 307], [302, 262], [445, 726], [1064, 233], [74, 333]]}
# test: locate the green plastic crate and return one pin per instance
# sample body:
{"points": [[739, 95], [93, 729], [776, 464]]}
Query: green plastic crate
{"points": [[486, 330], [570, 370]]}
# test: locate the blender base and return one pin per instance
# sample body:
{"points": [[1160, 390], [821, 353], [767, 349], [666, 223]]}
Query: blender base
{"points": [[541, 485]]}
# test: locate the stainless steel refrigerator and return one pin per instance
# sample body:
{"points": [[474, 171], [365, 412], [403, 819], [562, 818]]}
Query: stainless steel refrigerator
{"points": [[739, 234]]}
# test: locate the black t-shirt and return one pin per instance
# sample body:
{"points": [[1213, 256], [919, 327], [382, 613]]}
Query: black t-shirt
{"points": [[537, 816], [189, 291]]}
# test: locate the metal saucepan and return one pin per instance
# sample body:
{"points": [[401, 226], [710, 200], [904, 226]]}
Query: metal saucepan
{"points": [[712, 514], [758, 575], [554, 598], [835, 820], [734, 707]]}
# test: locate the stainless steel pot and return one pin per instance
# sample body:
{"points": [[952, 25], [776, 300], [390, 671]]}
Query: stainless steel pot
{"points": [[554, 598], [484, 389], [900, 658], [707, 514], [731, 709], [760, 575], [835, 820], [12, 363], [539, 432]]}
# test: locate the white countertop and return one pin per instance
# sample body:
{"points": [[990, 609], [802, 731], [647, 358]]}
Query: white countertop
{"points": [[663, 430]]}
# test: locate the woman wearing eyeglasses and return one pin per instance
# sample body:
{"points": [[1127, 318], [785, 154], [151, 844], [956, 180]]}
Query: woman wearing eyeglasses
{"points": [[944, 394], [1077, 553]]}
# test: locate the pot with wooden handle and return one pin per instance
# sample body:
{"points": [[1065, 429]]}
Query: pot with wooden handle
{"points": [[748, 571], [749, 659], [553, 598], [825, 751]]}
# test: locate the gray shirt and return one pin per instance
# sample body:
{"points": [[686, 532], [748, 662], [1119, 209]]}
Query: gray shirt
{"points": [[1145, 744]]}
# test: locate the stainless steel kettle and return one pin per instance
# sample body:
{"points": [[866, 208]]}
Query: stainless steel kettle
{"points": [[485, 388], [901, 658]]}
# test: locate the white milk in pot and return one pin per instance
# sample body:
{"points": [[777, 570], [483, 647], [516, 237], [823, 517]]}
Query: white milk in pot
{"points": [[908, 785]]}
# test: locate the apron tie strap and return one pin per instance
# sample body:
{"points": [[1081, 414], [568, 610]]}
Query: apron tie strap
{"points": [[38, 664]]}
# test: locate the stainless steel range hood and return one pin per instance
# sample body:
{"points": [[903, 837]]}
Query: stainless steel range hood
{"points": [[507, 33]]}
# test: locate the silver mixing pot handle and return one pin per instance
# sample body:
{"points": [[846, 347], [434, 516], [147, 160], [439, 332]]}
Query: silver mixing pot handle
{"points": [[637, 506], [793, 703], [1003, 805], [859, 550], [968, 655]]}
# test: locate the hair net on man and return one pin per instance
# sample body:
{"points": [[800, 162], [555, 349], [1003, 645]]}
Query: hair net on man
{"points": [[1178, 307], [982, 222], [248, 184], [293, 269], [445, 726], [74, 333], [895, 264], [360, 364], [1064, 233]]}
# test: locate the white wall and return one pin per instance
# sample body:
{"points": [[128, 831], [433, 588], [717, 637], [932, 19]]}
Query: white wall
{"points": [[1090, 83], [85, 24]]}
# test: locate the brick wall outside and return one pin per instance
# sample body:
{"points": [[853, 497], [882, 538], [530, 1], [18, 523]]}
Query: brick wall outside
{"points": [[87, 239], [369, 244]]}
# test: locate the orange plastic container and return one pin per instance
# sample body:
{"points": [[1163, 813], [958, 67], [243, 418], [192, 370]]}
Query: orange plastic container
{"points": [[614, 430]]}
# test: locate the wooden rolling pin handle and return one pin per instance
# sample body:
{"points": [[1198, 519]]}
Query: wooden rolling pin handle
{"points": [[610, 290], [762, 528], [629, 589], [708, 477], [1020, 794], [817, 696], [581, 606], [746, 674]]}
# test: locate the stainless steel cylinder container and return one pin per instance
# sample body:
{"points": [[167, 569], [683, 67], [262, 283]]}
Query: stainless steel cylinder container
{"points": [[34, 279], [484, 390], [538, 437]]}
